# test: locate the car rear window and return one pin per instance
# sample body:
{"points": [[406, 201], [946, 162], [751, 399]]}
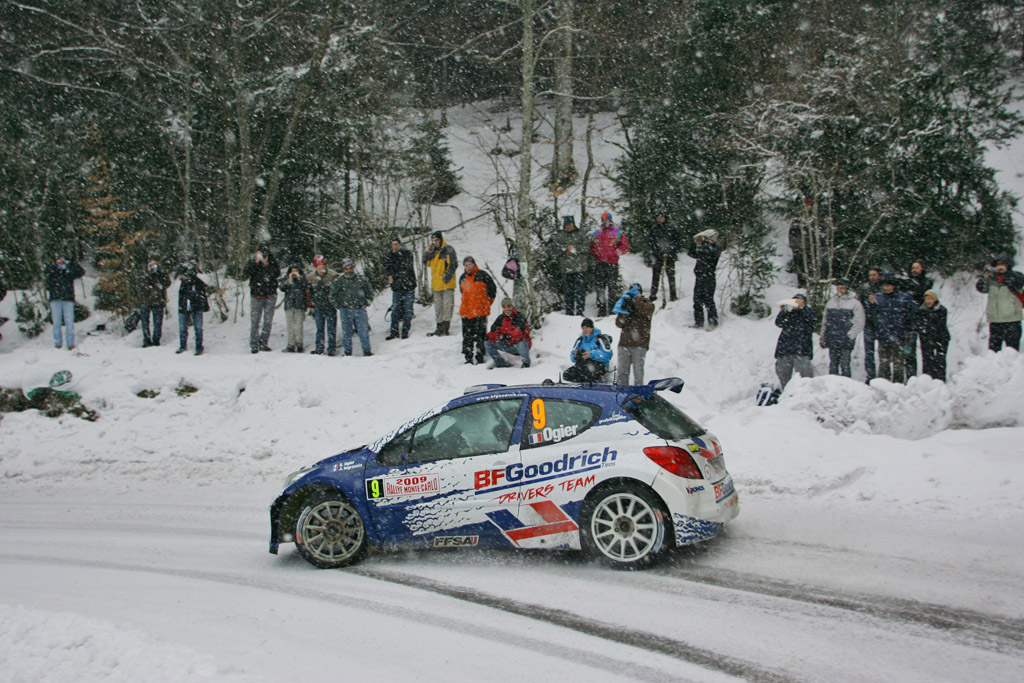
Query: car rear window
{"points": [[662, 418]]}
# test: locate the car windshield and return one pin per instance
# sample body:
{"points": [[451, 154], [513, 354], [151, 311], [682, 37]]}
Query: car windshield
{"points": [[662, 418]]}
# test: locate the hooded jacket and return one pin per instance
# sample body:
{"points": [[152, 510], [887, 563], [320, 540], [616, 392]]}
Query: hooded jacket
{"points": [[844, 320], [510, 329], [478, 291], [1004, 306], [599, 345], [636, 325], [442, 264]]}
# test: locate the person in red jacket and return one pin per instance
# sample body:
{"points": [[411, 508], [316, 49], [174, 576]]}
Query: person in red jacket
{"points": [[607, 244], [510, 333], [478, 291]]}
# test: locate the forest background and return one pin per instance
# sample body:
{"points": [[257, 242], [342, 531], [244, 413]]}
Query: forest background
{"points": [[857, 129]]}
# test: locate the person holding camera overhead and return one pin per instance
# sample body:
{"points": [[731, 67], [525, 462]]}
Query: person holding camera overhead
{"points": [[296, 296], [1005, 289], [262, 270], [634, 318]]}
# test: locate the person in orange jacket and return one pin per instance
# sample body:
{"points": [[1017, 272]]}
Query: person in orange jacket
{"points": [[478, 291]]}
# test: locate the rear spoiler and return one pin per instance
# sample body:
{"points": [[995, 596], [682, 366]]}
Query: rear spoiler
{"points": [[673, 384]]}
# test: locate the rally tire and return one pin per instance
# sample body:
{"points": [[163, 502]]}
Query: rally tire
{"points": [[329, 532], [624, 526]]}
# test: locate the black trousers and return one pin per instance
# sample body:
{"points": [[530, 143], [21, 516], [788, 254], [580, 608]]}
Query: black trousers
{"points": [[933, 358], [704, 297], [474, 334], [670, 271], [1003, 333]]}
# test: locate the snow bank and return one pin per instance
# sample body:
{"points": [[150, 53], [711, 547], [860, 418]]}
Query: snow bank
{"points": [[989, 391], [37, 645], [916, 410]]}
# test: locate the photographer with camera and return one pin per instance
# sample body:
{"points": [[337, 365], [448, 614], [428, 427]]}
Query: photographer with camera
{"points": [[634, 319], [706, 251], [296, 297], [1005, 289], [155, 282], [192, 303], [262, 270], [795, 347]]}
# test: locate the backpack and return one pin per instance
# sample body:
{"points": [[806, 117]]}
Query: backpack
{"points": [[132, 322], [768, 395], [511, 269]]}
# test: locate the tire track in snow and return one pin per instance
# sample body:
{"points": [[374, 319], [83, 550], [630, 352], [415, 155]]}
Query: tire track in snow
{"points": [[471, 628]]}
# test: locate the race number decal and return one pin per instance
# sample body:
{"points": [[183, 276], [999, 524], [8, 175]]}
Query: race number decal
{"points": [[539, 416]]}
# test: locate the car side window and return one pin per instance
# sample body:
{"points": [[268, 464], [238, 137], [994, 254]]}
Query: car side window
{"points": [[553, 420], [474, 429]]}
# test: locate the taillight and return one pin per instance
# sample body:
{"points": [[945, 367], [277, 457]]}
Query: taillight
{"points": [[675, 460]]}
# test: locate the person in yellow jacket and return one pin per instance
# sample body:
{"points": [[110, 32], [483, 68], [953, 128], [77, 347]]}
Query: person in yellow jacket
{"points": [[442, 262]]}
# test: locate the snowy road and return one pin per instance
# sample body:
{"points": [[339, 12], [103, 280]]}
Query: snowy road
{"points": [[194, 572]]}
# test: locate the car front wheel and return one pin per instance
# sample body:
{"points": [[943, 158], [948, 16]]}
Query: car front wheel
{"points": [[330, 533], [624, 526]]}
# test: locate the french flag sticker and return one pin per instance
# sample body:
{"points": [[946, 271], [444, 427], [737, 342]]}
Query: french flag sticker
{"points": [[536, 438]]}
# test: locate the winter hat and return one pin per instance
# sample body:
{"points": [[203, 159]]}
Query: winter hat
{"points": [[567, 220], [345, 263], [506, 302], [932, 294], [319, 260], [660, 211], [61, 256], [469, 259], [438, 235], [800, 296], [890, 279], [842, 281], [608, 215], [587, 322], [1003, 258]]}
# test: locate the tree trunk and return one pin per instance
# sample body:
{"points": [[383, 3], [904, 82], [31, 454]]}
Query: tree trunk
{"points": [[523, 242], [563, 171]]}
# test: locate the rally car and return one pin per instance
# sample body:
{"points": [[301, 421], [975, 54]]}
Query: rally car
{"points": [[617, 471]]}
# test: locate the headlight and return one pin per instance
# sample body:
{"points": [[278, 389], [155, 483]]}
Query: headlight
{"points": [[295, 475]]}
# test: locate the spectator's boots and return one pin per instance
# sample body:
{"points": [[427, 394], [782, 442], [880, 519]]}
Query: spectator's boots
{"points": [[317, 352], [436, 332], [393, 335], [444, 329]]}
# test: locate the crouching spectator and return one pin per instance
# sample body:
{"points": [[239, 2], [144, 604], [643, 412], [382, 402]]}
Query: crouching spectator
{"points": [[1004, 288], [296, 288], [795, 347], [636, 335], [591, 355], [844, 320], [510, 333], [930, 325]]}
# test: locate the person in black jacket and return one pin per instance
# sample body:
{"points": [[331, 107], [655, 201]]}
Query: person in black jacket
{"points": [[866, 293], [930, 325], [296, 297], [155, 282], [192, 303], [707, 252], [795, 347], [3, 293], [60, 281], [401, 274], [324, 313], [916, 283], [665, 241], [262, 270]]}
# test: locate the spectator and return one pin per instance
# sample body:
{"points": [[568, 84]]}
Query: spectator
{"points": [[192, 303], [706, 251], [930, 325], [1004, 288], [324, 313], [262, 271], [510, 333], [895, 315], [665, 241], [60, 281], [441, 260], [916, 283], [607, 244], [351, 294], [155, 282], [866, 294], [401, 276], [573, 252], [795, 347], [296, 297], [3, 293], [478, 292], [844, 320], [591, 355], [636, 336]]}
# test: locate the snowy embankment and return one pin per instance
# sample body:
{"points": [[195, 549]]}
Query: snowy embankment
{"points": [[923, 475]]}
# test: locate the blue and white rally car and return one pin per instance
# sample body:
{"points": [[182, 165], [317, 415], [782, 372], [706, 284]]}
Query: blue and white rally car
{"points": [[617, 471]]}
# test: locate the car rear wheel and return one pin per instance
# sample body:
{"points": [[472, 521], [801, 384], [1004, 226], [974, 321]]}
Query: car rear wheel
{"points": [[624, 526], [330, 533]]}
